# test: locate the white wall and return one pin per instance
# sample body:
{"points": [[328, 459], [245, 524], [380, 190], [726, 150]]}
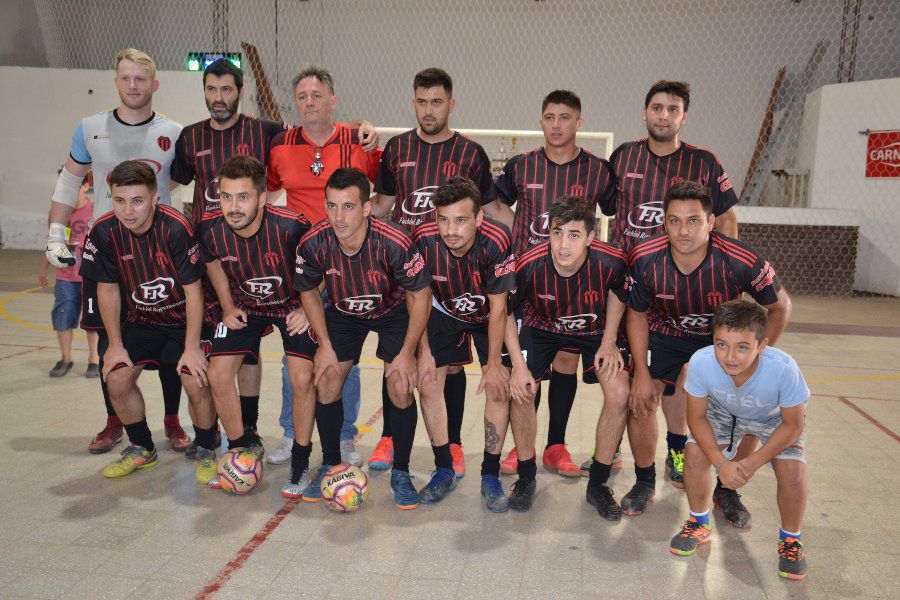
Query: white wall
{"points": [[39, 109], [835, 153]]}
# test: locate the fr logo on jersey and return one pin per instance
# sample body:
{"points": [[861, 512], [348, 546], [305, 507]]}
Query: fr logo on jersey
{"points": [[464, 305], [164, 143], [577, 322], [419, 202], [261, 287], [647, 216], [153, 292], [693, 323], [358, 305], [541, 225]]}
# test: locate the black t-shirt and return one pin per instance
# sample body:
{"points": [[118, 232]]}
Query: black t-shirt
{"points": [[574, 305], [371, 282], [412, 169], [460, 285], [682, 305], [532, 182], [151, 268], [260, 268], [642, 180]]}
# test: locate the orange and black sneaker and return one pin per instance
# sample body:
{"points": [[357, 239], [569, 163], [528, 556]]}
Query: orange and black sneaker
{"points": [[791, 559], [692, 534], [383, 456], [556, 458], [510, 464]]}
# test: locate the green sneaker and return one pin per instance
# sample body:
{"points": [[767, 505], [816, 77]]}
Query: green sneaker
{"points": [[133, 458], [675, 468]]}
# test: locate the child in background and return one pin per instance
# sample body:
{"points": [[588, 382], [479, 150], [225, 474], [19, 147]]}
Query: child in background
{"points": [[66, 311]]}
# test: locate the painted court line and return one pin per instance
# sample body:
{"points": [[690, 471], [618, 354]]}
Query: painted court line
{"points": [[870, 418], [236, 563]]}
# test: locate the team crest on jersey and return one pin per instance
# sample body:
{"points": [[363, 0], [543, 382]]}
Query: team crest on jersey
{"points": [[261, 287], [162, 259], [153, 292], [713, 299], [358, 305], [577, 322], [449, 168], [419, 202], [541, 225], [465, 304], [648, 215], [591, 297], [675, 180], [374, 276], [272, 259], [164, 142], [242, 149], [576, 190]]}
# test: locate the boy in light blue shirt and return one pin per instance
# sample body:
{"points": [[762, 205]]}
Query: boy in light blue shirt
{"points": [[740, 386]]}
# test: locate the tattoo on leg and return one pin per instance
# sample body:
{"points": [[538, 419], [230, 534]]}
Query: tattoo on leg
{"points": [[491, 438]]}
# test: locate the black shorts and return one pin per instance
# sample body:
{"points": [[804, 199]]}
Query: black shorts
{"points": [[90, 307], [667, 354], [540, 348], [149, 345], [348, 333], [449, 339], [246, 341]]}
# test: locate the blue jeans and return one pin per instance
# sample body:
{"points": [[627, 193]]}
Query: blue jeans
{"points": [[349, 397]]}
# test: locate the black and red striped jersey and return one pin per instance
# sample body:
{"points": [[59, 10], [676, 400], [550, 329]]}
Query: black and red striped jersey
{"points": [[574, 305], [460, 285], [532, 182], [260, 268], [372, 281], [412, 170], [642, 180], [682, 305], [152, 268], [201, 150]]}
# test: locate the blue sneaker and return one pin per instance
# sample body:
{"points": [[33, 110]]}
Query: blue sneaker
{"points": [[443, 481], [313, 492], [495, 499], [405, 495]]}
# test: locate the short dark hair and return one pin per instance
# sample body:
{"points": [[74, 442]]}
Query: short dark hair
{"points": [[573, 208], [564, 97], [239, 167], [317, 72], [432, 77], [346, 177], [132, 172], [741, 315], [222, 67], [455, 189], [679, 89], [689, 190]]}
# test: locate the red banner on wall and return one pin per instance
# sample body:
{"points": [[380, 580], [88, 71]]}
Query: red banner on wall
{"points": [[883, 154]]}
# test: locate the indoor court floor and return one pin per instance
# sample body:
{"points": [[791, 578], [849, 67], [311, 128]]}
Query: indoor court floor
{"points": [[69, 533]]}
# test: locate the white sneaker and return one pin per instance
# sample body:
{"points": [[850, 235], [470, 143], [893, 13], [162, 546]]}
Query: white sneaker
{"points": [[295, 490], [349, 455], [282, 453]]}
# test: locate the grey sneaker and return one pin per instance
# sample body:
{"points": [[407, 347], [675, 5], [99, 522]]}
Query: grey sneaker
{"points": [[349, 455], [282, 453], [93, 371], [61, 368], [293, 490]]}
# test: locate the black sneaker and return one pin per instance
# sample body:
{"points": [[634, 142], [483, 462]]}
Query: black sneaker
{"points": [[521, 497], [601, 498], [257, 445], [636, 500], [675, 468], [791, 559], [191, 452], [729, 502], [61, 368]]}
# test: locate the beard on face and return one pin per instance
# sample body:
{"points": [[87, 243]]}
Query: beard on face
{"points": [[221, 115]]}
